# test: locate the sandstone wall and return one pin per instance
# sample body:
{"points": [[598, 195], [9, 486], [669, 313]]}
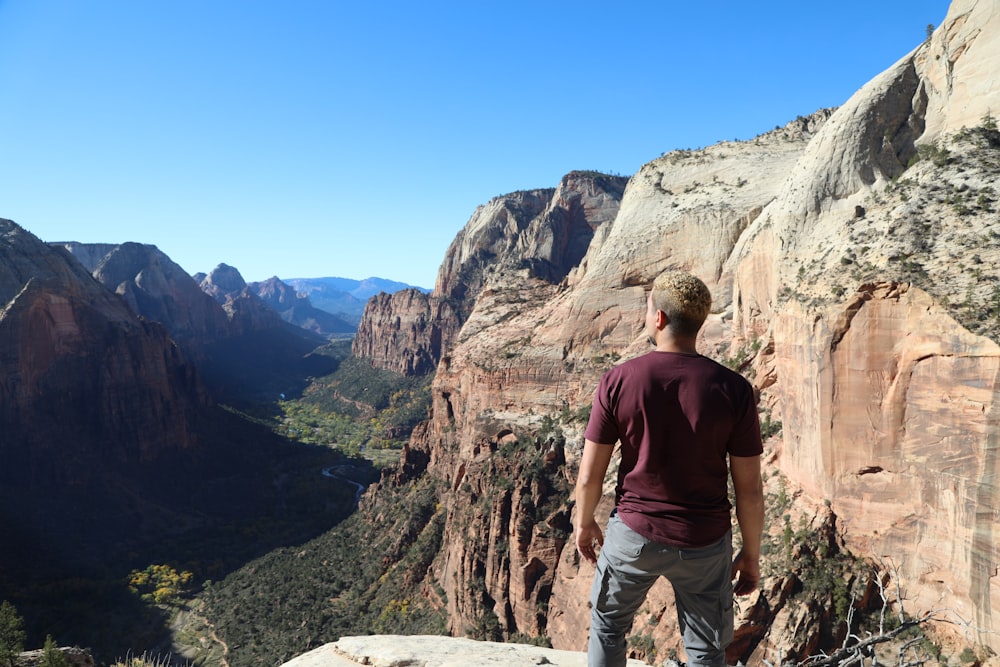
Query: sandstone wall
{"points": [[404, 331], [885, 395], [527, 358], [906, 447]]}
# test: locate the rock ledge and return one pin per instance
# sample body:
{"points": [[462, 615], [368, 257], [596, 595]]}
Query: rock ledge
{"points": [[428, 651]]}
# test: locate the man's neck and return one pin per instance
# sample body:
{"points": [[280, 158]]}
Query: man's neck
{"points": [[668, 343]]}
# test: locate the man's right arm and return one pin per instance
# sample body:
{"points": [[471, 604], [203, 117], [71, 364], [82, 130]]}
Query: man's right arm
{"points": [[749, 491], [589, 488]]}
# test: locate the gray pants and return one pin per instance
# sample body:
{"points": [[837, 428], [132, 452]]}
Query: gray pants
{"points": [[629, 564]]}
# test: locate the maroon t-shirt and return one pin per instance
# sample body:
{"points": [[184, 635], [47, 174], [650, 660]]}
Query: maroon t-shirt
{"points": [[677, 416]]}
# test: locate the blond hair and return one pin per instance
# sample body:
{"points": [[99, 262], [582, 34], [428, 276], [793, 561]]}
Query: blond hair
{"points": [[685, 300]]}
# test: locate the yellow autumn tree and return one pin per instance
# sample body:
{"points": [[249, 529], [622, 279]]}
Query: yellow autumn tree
{"points": [[161, 584]]}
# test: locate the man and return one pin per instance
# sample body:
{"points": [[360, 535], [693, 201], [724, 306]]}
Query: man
{"points": [[678, 416]]}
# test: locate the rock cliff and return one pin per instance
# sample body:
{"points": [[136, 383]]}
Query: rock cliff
{"points": [[537, 236], [404, 331], [345, 297], [852, 256], [247, 312], [112, 454], [238, 341], [871, 279], [78, 367], [256, 306]]}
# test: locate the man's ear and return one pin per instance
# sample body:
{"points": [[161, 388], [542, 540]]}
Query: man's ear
{"points": [[661, 319]]}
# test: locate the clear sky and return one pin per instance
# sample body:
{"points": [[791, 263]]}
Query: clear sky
{"points": [[312, 138]]}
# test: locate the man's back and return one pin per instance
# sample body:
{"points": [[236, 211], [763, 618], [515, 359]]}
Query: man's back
{"points": [[678, 417]]}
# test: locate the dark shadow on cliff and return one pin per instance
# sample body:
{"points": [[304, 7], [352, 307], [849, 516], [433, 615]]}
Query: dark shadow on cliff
{"points": [[264, 366]]}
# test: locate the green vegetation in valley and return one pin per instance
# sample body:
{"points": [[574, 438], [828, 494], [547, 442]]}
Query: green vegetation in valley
{"points": [[376, 571], [363, 576], [359, 409]]}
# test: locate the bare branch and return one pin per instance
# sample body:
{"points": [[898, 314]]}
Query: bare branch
{"points": [[855, 649]]}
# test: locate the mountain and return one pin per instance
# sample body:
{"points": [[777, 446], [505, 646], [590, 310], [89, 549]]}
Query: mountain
{"points": [[156, 288], [853, 256], [345, 297], [114, 455], [242, 347], [79, 367], [295, 308], [529, 241], [532, 331]]}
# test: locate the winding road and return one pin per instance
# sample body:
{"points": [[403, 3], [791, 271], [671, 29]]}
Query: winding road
{"points": [[340, 472]]}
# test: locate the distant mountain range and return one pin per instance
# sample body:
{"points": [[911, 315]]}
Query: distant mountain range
{"points": [[345, 297]]}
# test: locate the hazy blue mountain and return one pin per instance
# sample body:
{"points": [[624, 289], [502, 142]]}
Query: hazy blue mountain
{"points": [[345, 297]]}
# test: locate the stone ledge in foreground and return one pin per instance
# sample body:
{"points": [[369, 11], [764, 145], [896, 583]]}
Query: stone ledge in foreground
{"points": [[435, 651]]}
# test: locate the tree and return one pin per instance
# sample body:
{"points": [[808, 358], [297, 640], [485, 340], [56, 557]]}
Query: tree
{"points": [[52, 656], [12, 634]]}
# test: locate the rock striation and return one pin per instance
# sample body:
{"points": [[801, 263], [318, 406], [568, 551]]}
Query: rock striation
{"points": [[852, 256], [404, 331], [870, 278]]}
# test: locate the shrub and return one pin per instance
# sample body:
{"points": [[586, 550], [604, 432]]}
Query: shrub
{"points": [[52, 656]]}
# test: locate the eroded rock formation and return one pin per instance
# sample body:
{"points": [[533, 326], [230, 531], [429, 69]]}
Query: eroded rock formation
{"points": [[883, 322], [404, 331]]}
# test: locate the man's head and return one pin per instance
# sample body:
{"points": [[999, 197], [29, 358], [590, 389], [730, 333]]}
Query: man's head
{"points": [[684, 300]]}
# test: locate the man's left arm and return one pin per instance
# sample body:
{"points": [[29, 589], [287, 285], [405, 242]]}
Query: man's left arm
{"points": [[749, 491]]}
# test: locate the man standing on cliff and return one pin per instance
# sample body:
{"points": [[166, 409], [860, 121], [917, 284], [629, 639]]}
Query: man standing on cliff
{"points": [[679, 416]]}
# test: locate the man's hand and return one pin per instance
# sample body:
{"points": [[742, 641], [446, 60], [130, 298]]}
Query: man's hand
{"points": [[746, 574], [588, 537]]}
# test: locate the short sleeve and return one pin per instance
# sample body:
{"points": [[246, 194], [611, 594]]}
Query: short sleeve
{"points": [[746, 439], [602, 427]]}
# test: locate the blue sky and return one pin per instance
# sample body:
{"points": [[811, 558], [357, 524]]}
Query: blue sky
{"points": [[309, 138]]}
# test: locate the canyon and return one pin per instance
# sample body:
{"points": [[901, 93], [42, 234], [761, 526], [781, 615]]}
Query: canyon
{"points": [[853, 255]]}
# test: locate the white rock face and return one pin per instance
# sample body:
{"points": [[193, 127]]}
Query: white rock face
{"points": [[960, 67], [888, 404], [430, 651]]}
